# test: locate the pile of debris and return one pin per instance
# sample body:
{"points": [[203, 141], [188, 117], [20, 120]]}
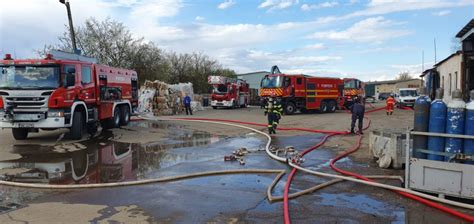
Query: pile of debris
{"points": [[159, 98]]}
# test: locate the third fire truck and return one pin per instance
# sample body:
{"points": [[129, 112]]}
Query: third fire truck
{"points": [[229, 92], [304, 93]]}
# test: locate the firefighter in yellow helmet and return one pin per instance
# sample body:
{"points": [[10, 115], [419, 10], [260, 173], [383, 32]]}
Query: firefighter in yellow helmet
{"points": [[273, 111]]}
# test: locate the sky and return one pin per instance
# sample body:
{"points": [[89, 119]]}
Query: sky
{"points": [[368, 39]]}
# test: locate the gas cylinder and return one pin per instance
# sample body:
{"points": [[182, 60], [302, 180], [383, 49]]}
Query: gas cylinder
{"points": [[455, 123], [422, 116], [469, 127], [437, 124]]}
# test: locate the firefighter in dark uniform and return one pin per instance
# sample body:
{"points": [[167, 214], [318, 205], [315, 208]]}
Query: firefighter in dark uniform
{"points": [[273, 111], [358, 110]]}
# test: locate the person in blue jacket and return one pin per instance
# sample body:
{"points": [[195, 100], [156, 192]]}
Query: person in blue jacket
{"points": [[187, 105], [357, 110]]}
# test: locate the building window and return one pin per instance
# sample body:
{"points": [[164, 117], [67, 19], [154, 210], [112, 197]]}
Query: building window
{"points": [[442, 83], [456, 80], [450, 84]]}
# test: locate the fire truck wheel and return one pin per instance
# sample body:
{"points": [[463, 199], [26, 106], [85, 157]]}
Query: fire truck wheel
{"points": [[77, 126], [324, 107], [116, 119], [290, 108], [332, 106], [20, 133], [125, 118]]}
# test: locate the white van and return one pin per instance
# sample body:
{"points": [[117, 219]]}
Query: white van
{"points": [[406, 97]]}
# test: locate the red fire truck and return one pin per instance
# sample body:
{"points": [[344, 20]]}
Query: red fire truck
{"points": [[352, 88], [304, 92], [64, 91], [229, 92]]}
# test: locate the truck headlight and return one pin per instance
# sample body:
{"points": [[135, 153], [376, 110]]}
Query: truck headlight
{"points": [[55, 113]]}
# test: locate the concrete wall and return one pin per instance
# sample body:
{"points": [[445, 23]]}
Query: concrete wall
{"points": [[450, 76], [416, 83], [384, 88], [393, 87]]}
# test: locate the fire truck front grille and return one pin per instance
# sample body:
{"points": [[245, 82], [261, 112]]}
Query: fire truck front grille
{"points": [[27, 104]]}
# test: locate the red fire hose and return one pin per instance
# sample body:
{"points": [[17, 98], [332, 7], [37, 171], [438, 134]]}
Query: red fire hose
{"points": [[355, 148]]}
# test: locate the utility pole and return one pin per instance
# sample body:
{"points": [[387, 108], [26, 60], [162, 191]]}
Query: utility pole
{"points": [[422, 61], [71, 27]]}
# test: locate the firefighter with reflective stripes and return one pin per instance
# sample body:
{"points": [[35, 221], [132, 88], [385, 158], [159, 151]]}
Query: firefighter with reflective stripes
{"points": [[390, 104], [273, 111]]}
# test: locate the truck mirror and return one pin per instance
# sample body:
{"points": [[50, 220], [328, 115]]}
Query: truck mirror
{"points": [[71, 70], [70, 80]]}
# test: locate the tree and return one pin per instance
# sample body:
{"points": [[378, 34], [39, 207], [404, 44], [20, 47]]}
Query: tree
{"points": [[403, 76], [111, 43], [455, 45]]}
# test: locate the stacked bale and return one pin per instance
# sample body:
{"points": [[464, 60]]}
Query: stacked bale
{"points": [[156, 98]]}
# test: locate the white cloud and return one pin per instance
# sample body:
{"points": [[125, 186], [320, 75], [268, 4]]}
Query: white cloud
{"points": [[442, 13], [352, 2], [307, 7], [380, 7], [371, 30], [226, 4], [414, 70], [199, 18], [277, 4], [317, 46]]}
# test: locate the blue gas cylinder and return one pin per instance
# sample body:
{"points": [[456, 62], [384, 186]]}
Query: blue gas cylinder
{"points": [[455, 123], [437, 124], [422, 117], [469, 127]]}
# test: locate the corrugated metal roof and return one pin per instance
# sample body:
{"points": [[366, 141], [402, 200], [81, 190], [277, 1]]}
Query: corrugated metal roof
{"points": [[253, 73], [465, 29], [390, 81]]}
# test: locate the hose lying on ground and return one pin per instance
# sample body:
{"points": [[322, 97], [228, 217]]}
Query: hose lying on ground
{"points": [[466, 217]]}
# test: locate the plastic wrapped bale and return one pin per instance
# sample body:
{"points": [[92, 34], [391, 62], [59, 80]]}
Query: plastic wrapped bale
{"points": [[196, 106], [145, 101], [184, 89]]}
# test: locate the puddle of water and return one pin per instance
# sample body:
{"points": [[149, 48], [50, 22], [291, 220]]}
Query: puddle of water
{"points": [[104, 161], [364, 204]]}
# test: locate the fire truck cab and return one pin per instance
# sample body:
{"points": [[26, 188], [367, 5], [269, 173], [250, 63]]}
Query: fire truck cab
{"points": [[352, 88], [64, 91]]}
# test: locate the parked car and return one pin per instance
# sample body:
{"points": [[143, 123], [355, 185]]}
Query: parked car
{"points": [[383, 96], [370, 99]]}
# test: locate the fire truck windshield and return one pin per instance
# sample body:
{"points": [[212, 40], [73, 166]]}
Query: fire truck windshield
{"points": [[29, 77], [351, 84], [221, 89], [272, 82]]}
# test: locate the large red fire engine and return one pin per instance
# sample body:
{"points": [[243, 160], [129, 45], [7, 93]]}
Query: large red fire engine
{"points": [[229, 92], [304, 92], [64, 91]]}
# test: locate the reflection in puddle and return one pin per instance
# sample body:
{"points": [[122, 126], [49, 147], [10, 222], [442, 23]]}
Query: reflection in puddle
{"points": [[100, 162]]}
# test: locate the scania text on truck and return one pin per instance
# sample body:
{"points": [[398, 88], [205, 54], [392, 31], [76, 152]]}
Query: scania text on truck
{"points": [[229, 92], [64, 91]]}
